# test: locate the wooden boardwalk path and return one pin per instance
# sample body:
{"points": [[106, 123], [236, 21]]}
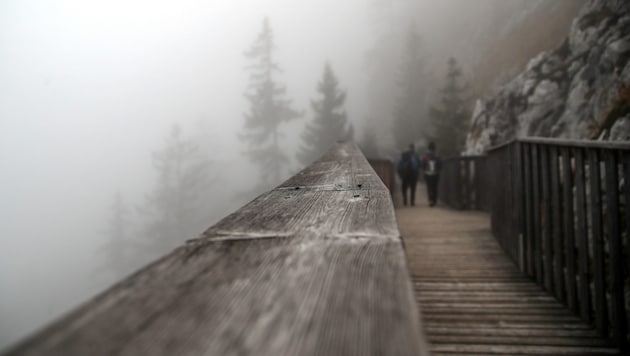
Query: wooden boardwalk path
{"points": [[474, 300]]}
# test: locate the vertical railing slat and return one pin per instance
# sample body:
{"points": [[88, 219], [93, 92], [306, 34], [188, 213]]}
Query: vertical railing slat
{"points": [[536, 174], [617, 310], [546, 234], [529, 218], [558, 243], [454, 192], [626, 177], [460, 184], [601, 316], [582, 237], [519, 201], [466, 185], [567, 193]]}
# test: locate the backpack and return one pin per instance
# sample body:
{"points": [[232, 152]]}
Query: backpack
{"points": [[407, 166], [430, 165]]}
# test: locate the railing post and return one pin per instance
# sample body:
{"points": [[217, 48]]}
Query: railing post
{"points": [[582, 237], [558, 236], [626, 176], [529, 218], [466, 183], [567, 194], [617, 296], [601, 314], [547, 226], [459, 184], [540, 170], [519, 202]]}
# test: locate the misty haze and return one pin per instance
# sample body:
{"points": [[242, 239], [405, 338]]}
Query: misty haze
{"points": [[130, 127]]}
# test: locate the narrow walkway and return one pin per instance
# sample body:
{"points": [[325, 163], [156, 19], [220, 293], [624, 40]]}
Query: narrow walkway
{"points": [[473, 299]]}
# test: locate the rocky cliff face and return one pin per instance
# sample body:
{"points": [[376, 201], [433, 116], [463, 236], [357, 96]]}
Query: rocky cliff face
{"points": [[579, 90]]}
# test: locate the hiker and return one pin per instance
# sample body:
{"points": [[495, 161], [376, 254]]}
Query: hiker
{"points": [[431, 166], [408, 167]]}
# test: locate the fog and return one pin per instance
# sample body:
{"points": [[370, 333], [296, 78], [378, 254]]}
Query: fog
{"points": [[90, 90]]}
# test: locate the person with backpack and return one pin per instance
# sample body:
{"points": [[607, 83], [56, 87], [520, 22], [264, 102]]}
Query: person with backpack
{"points": [[408, 168], [431, 166]]}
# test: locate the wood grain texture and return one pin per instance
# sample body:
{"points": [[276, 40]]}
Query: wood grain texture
{"points": [[618, 323], [584, 298], [530, 211], [290, 212], [557, 231], [341, 168], [542, 214], [546, 215], [569, 229], [295, 272], [599, 299]]}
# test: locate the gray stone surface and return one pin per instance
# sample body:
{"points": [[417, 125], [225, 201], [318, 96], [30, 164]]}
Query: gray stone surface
{"points": [[574, 91]]}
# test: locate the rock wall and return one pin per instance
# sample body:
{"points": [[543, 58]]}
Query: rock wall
{"points": [[579, 90]]}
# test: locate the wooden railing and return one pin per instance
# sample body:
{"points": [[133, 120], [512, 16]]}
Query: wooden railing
{"points": [[385, 171], [463, 185], [314, 266], [559, 208]]}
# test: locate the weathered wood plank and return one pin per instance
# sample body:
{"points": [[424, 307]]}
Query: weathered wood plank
{"points": [[519, 340], [626, 176], [384, 169], [490, 310], [546, 215], [618, 321], [483, 286], [343, 168], [596, 144], [537, 234], [582, 240], [528, 190], [312, 272], [558, 233], [328, 212], [481, 349], [512, 325], [526, 250], [569, 230], [486, 330], [465, 192], [601, 313]]}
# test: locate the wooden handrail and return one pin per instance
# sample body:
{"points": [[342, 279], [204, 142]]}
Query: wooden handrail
{"points": [[622, 145], [315, 266]]}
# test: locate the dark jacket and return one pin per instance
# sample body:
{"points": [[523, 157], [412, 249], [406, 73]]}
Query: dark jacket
{"points": [[408, 165]]}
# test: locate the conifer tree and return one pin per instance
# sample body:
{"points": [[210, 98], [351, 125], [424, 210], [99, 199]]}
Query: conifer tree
{"points": [[410, 115], [117, 251], [269, 108], [177, 208], [329, 124], [451, 117]]}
